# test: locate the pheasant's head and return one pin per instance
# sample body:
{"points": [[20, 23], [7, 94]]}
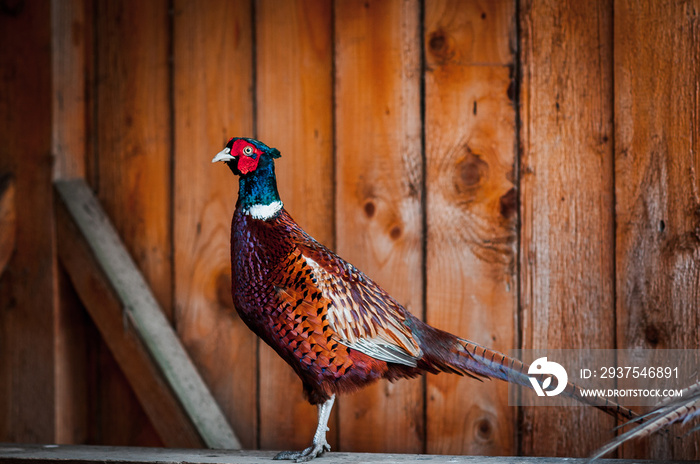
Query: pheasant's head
{"points": [[253, 162], [244, 155]]}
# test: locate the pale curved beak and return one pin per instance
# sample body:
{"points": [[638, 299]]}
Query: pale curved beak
{"points": [[223, 155]]}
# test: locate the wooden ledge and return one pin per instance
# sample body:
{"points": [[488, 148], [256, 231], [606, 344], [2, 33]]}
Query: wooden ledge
{"points": [[11, 453]]}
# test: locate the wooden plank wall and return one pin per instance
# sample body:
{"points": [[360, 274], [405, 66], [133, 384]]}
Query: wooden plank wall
{"points": [[567, 200], [657, 185], [378, 194], [523, 173], [471, 212], [28, 377]]}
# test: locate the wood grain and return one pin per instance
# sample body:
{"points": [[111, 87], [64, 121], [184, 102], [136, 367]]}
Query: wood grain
{"points": [[69, 28], [133, 133], [657, 187], [471, 213], [294, 109], [27, 285], [378, 202], [213, 102], [567, 202]]}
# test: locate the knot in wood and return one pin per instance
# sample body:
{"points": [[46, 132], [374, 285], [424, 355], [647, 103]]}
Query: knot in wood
{"points": [[508, 203], [441, 46], [484, 429], [652, 334], [469, 172], [369, 208], [395, 232]]}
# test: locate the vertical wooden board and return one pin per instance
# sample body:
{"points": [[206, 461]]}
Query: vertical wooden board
{"points": [[657, 185], [379, 191], [132, 161], [213, 102], [72, 383], [69, 45], [133, 132], [27, 285], [567, 203], [119, 417], [69, 28], [471, 213], [90, 34], [294, 109]]}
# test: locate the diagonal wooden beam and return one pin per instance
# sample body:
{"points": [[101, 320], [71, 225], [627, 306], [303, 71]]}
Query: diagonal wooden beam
{"points": [[130, 320]]}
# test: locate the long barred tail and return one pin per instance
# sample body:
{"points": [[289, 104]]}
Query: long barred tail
{"points": [[473, 359]]}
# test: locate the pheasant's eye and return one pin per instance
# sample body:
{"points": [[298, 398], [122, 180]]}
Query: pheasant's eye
{"points": [[248, 150]]}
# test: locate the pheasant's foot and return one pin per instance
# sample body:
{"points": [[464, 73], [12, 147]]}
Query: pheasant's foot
{"points": [[313, 451], [319, 445]]}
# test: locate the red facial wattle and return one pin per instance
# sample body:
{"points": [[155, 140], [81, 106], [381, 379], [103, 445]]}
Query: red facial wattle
{"points": [[248, 156], [247, 164]]}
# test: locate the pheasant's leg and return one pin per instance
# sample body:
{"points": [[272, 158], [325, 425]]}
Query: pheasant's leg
{"points": [[319, 445]]}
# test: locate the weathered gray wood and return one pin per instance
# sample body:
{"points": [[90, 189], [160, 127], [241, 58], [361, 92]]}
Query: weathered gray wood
{"points": [[26, 454], [138, 305]]}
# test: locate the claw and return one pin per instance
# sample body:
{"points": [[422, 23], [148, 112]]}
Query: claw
{"points": [[313, 451]]}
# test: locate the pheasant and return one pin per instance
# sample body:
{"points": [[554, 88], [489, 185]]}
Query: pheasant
{"points": [[331, 323]]}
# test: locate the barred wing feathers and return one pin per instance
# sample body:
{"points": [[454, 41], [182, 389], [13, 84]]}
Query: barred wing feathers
{"points": [[361, 315]]}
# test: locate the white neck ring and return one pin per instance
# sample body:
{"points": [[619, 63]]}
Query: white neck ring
{"points": [[264, 212]]}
